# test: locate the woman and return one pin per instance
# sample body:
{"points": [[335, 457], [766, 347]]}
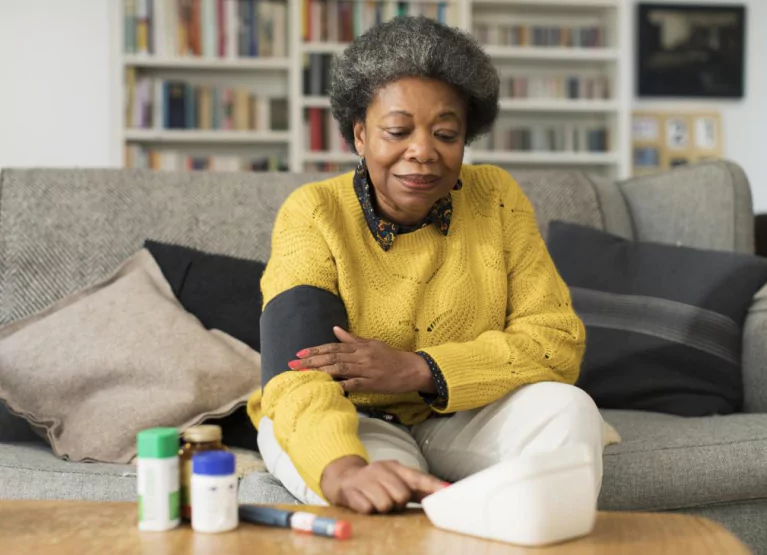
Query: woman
{"points": [[414, 322]]}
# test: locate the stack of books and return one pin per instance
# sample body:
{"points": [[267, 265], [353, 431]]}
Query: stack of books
{"points": [[321, 133], [209, 28], [139, 157], [345, 20], [171, 104], [564, 87], [567, 137], [562, 36]]}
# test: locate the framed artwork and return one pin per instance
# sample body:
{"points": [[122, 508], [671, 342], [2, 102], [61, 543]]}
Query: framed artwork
{"points": [[664, 140], [691, 50]]}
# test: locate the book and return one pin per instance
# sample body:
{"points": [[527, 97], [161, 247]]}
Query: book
{"points": [[129, 16], [241, 107], [182, 31], [130, 92], [265, 32], [142, 26], [316, 129], [209, 24], [232, 29]]}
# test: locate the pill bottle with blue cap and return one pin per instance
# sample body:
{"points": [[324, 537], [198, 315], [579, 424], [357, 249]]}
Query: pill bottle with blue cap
{"points": [[214, 492]]}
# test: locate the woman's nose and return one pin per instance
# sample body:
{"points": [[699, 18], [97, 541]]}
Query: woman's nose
{"points": [[421, 148]]}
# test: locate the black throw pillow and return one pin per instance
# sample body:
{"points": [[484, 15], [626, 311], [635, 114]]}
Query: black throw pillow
{"points": [[223, 292], [664, 323]]}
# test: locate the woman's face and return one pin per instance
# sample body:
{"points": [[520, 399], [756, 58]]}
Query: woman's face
{"points": [[412, 140]]}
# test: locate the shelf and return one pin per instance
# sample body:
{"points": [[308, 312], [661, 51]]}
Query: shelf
{"points": [[331, 157], [324, 47], [204, 136], [557, 105], [224, 64], [315, 101], [549, 158], [551, 3], [551, 53]]}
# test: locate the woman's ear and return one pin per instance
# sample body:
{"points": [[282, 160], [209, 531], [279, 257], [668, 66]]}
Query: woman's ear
{"points": [[359, 138]]}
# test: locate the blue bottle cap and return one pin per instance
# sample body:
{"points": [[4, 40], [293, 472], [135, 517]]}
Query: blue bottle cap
{"points": [[213, 463]]}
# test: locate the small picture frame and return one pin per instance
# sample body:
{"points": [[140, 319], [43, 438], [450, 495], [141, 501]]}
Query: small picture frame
{"points": [[677, 133], [646, 157], [706, 133]]}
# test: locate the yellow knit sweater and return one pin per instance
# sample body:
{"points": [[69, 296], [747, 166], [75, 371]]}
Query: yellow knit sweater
{"points": [[485, 302]]}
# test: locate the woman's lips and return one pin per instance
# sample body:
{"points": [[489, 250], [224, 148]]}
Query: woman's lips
{"points": [[418, 181]]}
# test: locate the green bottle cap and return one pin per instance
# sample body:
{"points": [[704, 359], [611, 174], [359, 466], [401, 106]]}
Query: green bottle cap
{"points": [[157, 443]]}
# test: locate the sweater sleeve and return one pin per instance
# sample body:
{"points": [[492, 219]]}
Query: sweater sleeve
{"points": [[543, 338], [313, 421]]}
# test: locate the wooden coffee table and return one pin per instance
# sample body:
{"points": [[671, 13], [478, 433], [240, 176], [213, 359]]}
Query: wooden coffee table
{"points": [[78, 527]]}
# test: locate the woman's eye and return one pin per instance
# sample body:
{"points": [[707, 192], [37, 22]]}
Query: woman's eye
{"points": [[448, 137], [397, 133]]}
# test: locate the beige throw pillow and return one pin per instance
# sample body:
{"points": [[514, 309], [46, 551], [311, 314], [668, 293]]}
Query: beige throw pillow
{"points": [[99, 366]]}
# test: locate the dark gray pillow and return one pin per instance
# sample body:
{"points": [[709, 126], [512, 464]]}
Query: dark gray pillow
{"points": [[664, 323]]}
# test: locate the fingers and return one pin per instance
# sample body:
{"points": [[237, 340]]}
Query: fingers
{"points": [[353, 384], [398, 490], [325, 349], [356, 501], [330, 359], [345, 336], [378, 495], [420, 484]]}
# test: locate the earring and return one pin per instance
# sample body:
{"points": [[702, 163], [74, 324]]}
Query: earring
{"points": [[458, 185]]}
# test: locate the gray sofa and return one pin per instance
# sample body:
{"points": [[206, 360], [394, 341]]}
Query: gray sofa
{"points": [[63, 229]]}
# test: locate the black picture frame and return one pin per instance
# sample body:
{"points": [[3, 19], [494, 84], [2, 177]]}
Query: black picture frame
{"points": [[706, 58]]}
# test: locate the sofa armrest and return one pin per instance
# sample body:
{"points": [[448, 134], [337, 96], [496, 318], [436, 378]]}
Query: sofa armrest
{"points": [[754, 360], [706, 206]]}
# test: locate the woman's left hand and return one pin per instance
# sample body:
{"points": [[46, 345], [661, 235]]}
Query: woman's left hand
{"points": [[367, 365]]}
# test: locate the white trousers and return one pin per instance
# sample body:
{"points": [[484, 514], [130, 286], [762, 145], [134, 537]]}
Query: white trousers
{"points": [[535, 418]]}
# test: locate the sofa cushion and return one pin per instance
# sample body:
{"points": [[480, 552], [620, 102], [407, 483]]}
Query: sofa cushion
{"points": [[673, 462], [223, 292], [101, 365], [664, 323], [32, 471], [14, 428]]}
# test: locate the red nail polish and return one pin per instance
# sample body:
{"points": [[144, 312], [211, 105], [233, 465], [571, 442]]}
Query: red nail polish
{"points": [[294, 364], [446, 484], [302, 354]]}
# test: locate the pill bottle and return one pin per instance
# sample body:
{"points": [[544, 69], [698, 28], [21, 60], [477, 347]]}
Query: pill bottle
{"points": [[214, 492], [195, 440], [158, 487]]}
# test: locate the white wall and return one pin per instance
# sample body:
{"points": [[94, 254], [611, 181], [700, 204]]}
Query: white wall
{"points": [[57, 103], [744, 121], [55, 85]]}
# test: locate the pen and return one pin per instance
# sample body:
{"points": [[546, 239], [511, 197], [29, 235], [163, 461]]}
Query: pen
{"points": [[296, 520]]}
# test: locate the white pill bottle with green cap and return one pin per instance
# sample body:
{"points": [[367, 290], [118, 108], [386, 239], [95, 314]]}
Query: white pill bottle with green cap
{"points": [[159, 505]]}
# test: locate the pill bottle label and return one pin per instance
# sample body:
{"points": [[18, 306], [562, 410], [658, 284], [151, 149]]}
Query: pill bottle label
{"points": [[158, 493]]}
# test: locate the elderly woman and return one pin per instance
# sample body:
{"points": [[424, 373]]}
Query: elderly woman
{"points": [[414, 325]]}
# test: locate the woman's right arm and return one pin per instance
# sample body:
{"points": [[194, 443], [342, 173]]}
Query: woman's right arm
{"points": [[313, 421]]}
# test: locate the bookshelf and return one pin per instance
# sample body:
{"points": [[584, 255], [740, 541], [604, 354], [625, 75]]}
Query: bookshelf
{"points": [[564, 68]]}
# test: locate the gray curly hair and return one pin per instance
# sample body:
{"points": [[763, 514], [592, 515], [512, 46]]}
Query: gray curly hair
{"points": [[413, 47]]}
